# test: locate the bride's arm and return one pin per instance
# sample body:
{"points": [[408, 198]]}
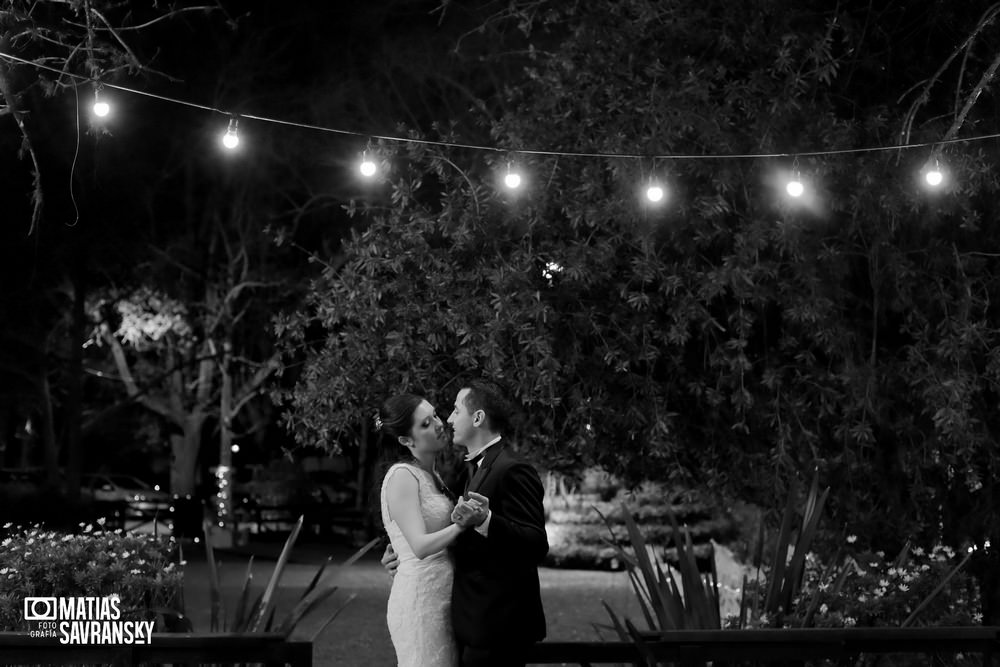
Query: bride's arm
{"points": [[403, 498]]}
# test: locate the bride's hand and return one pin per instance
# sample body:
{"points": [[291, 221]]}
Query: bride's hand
{"points": [[464, 514], [468, 513]]}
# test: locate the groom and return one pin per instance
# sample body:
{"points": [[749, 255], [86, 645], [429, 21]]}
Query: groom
{"points": [[496, 603]]}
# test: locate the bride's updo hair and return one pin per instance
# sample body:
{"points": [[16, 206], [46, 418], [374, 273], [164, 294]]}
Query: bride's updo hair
{"points": [[395, 418]]}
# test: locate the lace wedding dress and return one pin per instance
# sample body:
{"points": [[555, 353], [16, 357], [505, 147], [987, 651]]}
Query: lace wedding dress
{"points": [[419, 612]]}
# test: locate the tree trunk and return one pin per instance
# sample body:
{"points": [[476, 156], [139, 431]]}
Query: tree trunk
{"points": [[49, 446], [74, 398], [184, 455]]}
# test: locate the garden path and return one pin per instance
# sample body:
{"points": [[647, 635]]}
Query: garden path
{"points": [[358, 636]]}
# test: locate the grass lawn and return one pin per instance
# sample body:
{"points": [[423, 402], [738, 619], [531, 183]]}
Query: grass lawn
{"points": [[358, 636]]}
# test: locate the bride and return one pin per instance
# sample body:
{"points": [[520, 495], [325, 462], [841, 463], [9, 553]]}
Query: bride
{"points": [[416, 512]]}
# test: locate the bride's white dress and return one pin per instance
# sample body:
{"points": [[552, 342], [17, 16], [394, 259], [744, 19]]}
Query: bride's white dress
{"points": [[419, 612]]}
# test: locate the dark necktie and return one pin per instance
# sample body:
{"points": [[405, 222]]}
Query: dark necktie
{"points": [[472, 468]]}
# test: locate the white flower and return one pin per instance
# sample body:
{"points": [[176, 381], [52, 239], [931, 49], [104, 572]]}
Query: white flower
{"points": [[893, 572], [977, 617], [862, 598], [5, 543], [925, 567], [136, 571], [851, 539], [88, 528], [5, 570], [66, 538], [7, 525], [849, 621], [917, 551], [101, 521], [884, 583], [125, 554], [823, 608], [904, 587]]}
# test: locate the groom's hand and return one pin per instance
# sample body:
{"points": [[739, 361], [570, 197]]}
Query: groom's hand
{"points": [[468, 513], [483, 502], [390, 561]]}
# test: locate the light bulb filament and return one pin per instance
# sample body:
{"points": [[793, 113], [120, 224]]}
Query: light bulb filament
{"points": [[231, 139]]}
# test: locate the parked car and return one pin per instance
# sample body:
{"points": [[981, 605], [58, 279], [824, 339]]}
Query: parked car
{"points": [[146, 509], [16, 482], [125, 488]]}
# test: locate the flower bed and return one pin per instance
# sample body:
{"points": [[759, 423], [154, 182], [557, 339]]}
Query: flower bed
{"points": [[136, 568]]}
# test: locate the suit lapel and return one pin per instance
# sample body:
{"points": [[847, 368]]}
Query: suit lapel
{"points": [[492, 454]]}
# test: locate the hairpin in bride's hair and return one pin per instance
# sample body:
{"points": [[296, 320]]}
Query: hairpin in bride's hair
{"points": [[378, 422]]}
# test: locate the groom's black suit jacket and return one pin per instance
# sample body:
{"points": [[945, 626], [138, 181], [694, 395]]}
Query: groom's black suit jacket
{"points": [[496, 600]]}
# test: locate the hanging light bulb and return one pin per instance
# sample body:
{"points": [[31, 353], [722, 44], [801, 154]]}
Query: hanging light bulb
{"points": [[933, 175], [513, 179], [231, 139], [101, 108], [795, 188], [367, 167], [654, 193]]}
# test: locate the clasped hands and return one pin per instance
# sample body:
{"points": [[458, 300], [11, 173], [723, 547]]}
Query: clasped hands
{"points": [[471, 510]]}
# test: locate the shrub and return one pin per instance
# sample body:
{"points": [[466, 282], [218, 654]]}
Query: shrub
{"points": [[917, 587], [579, 536], [94, 563]]}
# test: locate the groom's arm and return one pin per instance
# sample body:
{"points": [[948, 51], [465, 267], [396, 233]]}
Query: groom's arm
{"points": [[520, 526]]}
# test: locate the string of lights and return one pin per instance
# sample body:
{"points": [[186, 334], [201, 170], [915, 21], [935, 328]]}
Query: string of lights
{"points": [[795, 187]]}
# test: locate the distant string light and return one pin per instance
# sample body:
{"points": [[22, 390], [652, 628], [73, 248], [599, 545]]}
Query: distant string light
{"points": [[933, 175], [655, 193], [231, 139], [512, 179], [794, 187], [367, 167], [101, 107]]}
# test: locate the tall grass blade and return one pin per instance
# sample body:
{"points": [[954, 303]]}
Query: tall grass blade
{"points": [[616, 623], [780, 553], [316, 577], [213, 579], [639, 564], [334, 615], [644, 651], [810, 520], [267, 602], [240, 616], [904, 554], [927, 600], [742, 618], [319, 592]]}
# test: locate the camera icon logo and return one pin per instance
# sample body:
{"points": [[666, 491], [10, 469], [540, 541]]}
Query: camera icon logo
{"points": [[40, 609]]}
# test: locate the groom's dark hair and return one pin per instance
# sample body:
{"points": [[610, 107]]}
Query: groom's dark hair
{"points": [[492, 398]]}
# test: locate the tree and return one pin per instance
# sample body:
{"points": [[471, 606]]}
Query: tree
{"points": [[56, 55], [732, 339]]}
